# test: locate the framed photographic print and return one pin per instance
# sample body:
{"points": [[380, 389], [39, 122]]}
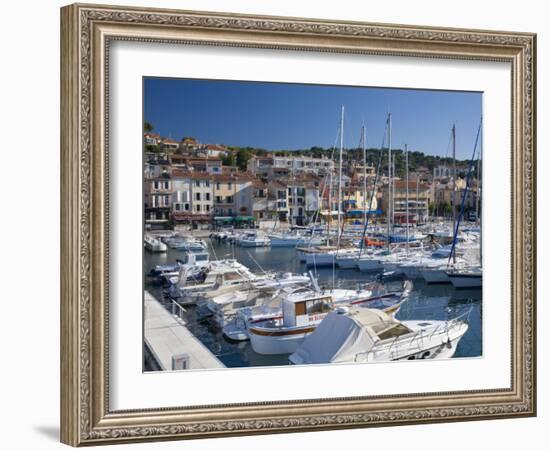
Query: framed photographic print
{"points": [[277, 224]]}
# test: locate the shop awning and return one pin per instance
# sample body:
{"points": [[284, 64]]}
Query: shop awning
{"points": [[360, 212], [244, 219], [223, 219]]}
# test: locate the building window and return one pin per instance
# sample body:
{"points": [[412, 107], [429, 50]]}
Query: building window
{"points": [[207, 183], [198, 183], [156, 184], [186, 206], [198, 208], [229, 186], [218, 186], [207, 207], [198, 196], [208, 196]]}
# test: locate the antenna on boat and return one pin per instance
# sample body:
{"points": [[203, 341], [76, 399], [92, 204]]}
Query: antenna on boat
{"points": [[256, 262]]}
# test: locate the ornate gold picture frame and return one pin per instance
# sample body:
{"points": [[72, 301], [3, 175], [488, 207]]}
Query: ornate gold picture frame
{"points": [[87, 31]]}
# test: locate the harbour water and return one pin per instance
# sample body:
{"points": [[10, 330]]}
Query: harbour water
{"points": [[427, 302]]}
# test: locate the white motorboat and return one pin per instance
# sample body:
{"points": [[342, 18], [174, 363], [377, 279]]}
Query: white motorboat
{"points": [[283, 239], [153, 244], [252, 239], [191, 267], [218, 275], [272, 311], [185, 243], [370, 335], [223, 307], [304, 310]]}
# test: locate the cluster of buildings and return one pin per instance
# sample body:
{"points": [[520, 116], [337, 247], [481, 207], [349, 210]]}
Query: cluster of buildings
{"points": [[186, 185]]}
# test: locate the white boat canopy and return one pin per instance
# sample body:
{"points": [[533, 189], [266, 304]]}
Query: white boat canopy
{"points": [[340, 337]]}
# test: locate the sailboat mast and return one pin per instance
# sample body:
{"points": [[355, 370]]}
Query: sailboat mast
{"points": [[364, 139], [416, 209], [329, 219], [340, 175], [454, 175], [454, 183], [407, 192], [479, 177], [388, 220], [393, 191]]}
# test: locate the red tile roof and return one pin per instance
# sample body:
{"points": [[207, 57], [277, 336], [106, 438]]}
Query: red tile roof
{"points": [[215, 147]]}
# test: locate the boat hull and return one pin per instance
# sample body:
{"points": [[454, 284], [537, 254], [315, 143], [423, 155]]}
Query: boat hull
{"points": [[436, 276], [466, 281], [349, 262], [281, 242], [320, 259], [253, 243], [277, 345], [369, 265]]}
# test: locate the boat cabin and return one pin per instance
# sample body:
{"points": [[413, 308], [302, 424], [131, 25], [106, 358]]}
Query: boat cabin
{"points": [[196, 258], [303, 309], [228, 278]]}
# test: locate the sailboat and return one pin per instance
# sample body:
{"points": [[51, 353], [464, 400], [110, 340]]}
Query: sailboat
{"points": [[469, 276], [325, 255], [371, 261]]}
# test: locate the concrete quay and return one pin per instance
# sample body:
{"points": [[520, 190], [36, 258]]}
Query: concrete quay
{"points": [[170, 343]]}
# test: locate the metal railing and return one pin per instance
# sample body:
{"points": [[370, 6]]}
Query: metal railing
{"points": [[444, 327], [177, 310]]}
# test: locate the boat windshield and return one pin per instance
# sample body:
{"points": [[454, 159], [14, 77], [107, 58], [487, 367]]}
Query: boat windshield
{"points": [[388, 331], [317, 306], [232, 276]]}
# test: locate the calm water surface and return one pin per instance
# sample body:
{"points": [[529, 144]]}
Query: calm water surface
{"points": [[426, 301]]}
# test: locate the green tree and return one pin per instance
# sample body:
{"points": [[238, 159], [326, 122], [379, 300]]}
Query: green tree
{"points": [[228, 160], [148, 127], [243, 155], [152, 148]]}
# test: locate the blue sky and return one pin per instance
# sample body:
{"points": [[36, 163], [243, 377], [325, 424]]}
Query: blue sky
{"points": [[279, 116]]}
